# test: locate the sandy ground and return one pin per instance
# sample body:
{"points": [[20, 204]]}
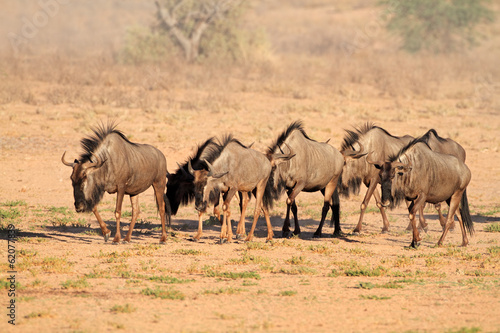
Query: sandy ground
{"points": [[69, 279]]}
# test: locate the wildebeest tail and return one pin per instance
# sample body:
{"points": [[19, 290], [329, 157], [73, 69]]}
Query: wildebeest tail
{"points": [[465, 214], [269, 195], [272, 193], [353, 186], [335, 207]]}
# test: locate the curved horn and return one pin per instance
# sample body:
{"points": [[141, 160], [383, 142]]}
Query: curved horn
{"points": [[355, 154], [190, 168], [65, 162], [369, 160], [98, 162], [210, 168], [291, 153], [376, 164], [361, 148]]}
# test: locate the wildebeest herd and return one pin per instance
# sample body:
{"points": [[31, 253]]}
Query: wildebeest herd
{"points": [[426, 169]]}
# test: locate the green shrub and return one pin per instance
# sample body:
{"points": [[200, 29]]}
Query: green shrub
{"points": [[439, 26]]}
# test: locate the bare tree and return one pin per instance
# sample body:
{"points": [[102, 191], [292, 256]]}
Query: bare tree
{"points": [[188, 20]]}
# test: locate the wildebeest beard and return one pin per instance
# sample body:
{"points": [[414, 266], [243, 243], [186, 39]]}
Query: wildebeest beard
{"points": [[95, 198], [213, 196], [179, 193], [396, 198]]}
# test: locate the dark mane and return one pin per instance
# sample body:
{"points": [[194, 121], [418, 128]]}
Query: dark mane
{"points": [[296, 125], [180, 188], [92, 142], [353, 136], [426, 137], [403, 150], [208, 146], [223, 142]]}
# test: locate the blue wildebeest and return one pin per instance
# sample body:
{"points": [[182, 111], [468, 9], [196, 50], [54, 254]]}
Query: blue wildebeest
{"points": [[444, 146], [236, 168], [420, 175], [181, 187], [111, 163], [380, 143], [316, 166]]}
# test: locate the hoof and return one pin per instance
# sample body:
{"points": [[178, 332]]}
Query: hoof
{"points": [[194, 239], [115, 243], [286, 234], [106, 236], [317, 235], [238, 236], [385, 231], [222, 241], [356, 233], [413, 246], [126, 242]]}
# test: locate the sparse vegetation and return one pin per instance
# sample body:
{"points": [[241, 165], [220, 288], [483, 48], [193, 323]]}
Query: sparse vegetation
{"points": [[287, 293], [158, 292], [226, 291], [494, 227], [127, 308], [75, 284]]}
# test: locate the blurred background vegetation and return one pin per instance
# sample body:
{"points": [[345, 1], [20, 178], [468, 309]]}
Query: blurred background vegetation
{"points": [[289, 47]]}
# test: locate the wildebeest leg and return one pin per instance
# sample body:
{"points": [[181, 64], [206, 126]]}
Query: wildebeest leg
{"points": [[285, 232], [134, 201], [270, 233], [454, 203], [364, 204], [291, 201], [240, 230], [296, 230], [336, 213], [385, 221], [217, 209], [200, 227], [259, 193], [414, 207], [327, 192], [442, 218], [159, 188], [421, 219], [104, 229], [226, 230], [118, 214]]}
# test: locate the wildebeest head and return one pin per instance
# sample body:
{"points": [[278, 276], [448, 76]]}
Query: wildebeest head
{"points": [[391, 174], [205, 185], [87, 191]]}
